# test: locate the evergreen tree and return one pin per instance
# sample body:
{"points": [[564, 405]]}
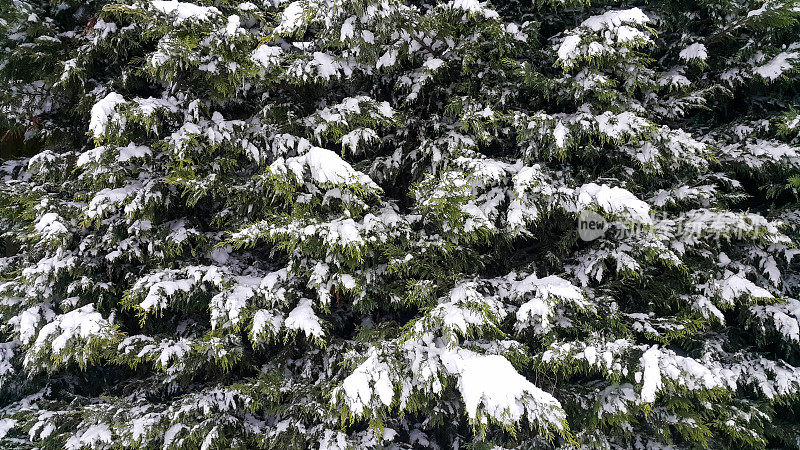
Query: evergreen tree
{"points": [[354, 224]]}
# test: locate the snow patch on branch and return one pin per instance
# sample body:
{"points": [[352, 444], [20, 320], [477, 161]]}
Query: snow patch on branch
{"points": [[291, 19], [474, 7], [613, 19], [302, 318], [776, 67], [267, 55], [651, 375], [76, 328], [613, 200], [785, 318], [734, 286], [101, 111], [324, 166], [489, 385], [549, 290], [695, 51], [185, 11]]}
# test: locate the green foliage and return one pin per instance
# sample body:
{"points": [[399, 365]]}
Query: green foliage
{"points": [[355, 224]]}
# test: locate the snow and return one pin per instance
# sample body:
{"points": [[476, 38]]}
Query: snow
{"points": [[615, 38], [530, 310], [694, 51], [69, 66], [160, 291], [325, 166], [303, 318], [172, 432], [101, 112], [433, 64], [759, 11], [291, 18], [351, 109], [158, 58], [549, 286], [91, 437], [568, 50], [613, 200], [40, 272], [26, 323], [560, 133], [147, 106], [368, 36], [762, 151], [613, 19], [771, 378], [385, 110], [83, 323], [465, 308], [229, 303], [388, 59], [486, 170], [489, 385], [106, 198], [143, 426], [131, 151], [6, 425], [232, 26], [326, 66], [161, 352], [344, 232], [90, 156], [627, 34], [185, 11], [617, 126], [474, 7], [358, 136], [785, 317], [616, 399], [324, 242], [247, 6], [348, 29], [339, 235], [273, 281], [692, 374], [781, 63], [347, 281], [370, 376], [733, 286], [651, 377], [322, 66], [105, 27], [265, 322], [702, 194], [46, 431], [675, 78], [50, 225], [167, 351]]}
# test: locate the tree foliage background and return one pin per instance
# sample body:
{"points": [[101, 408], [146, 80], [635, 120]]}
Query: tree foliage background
{"points": [[353, 223]]}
